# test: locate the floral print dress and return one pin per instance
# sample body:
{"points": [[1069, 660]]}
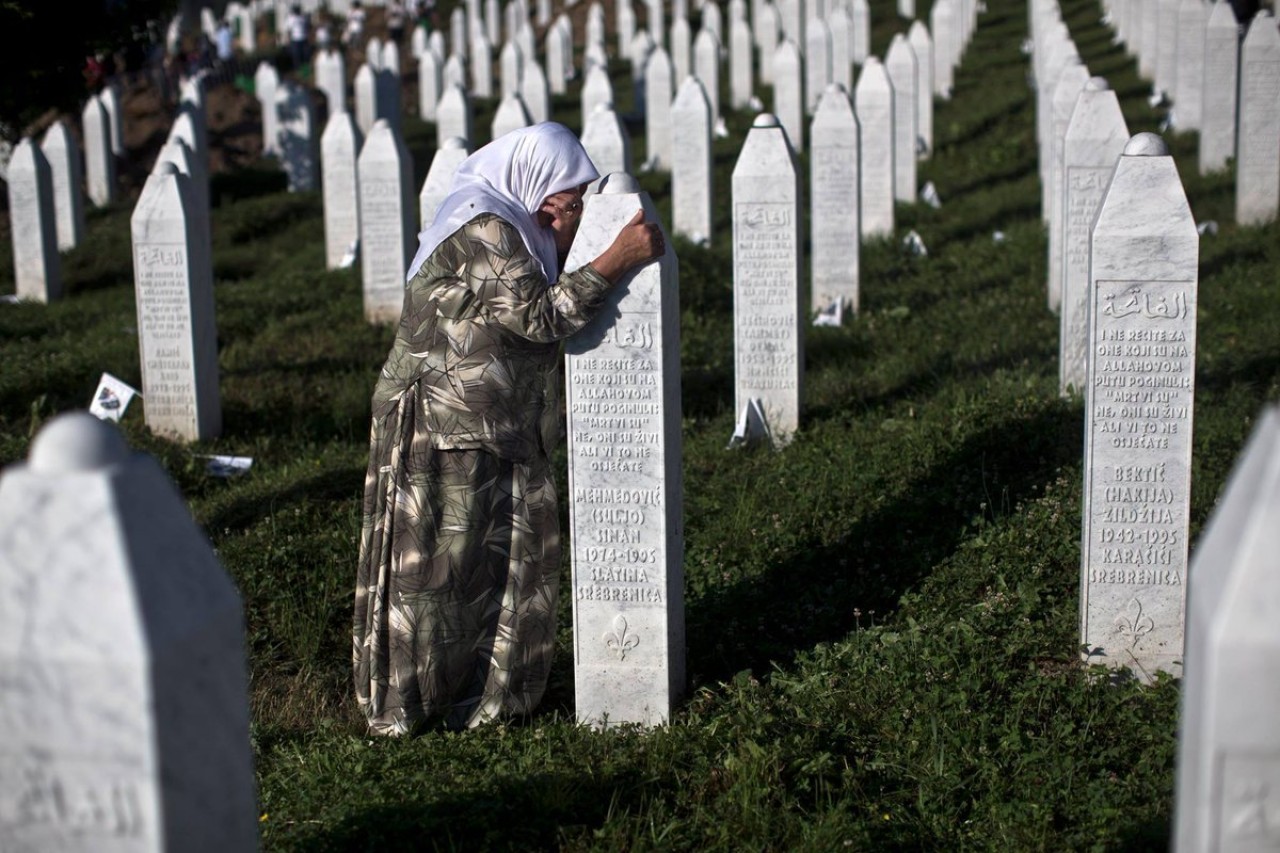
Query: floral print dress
{"points": [[460, 543]]}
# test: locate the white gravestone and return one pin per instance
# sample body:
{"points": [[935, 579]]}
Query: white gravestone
{"points": [[459, 32], [740, 76], [768, 334], [1071, 83], [946, 40], [922, 46], [1228, 782], [1139, 405], [833, 194], [510, 115], [37, 269], [453, 115], [657, 22], [817, 63], [788, 92], [792, 15], [625, 17], [606, 141], [706, 63], [1167, 47], [99, 161], [265, 81], [556, 57], [1258, 144], [481, 67], [63, 155], [429, 84], [387, 91], [900, 63], [510, 66], [110, 97], [139, 671], [435, 187], [681, 49], [1094, 141], [625, 523], [179, 153], [534, 91], [691, 163], [1193, 19], [177, 333], [638, 53], [454, 73], [596, 91], [657, 117], [339, 146], [331, 78], [766, 30], [366, 97], [384, 172], [873, 104], [712, 21], [841, 26], [860, 13], [390, 60], [296, 137], [1218, 95]]}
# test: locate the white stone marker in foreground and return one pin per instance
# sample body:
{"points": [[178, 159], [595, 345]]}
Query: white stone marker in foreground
{"points": [[873, 103], [63, 155], [339, 146], [385, 172], [37, 269], [177, 335], [120, 626], [691, 163], [1258, 147], [623, 402], [1095, 139], [435, 187], [833, 196], [1218, 99], [768, 335], [1137, 451], [1229, 730]]}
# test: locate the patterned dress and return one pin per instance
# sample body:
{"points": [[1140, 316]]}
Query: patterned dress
{"points": [[460, 541]]}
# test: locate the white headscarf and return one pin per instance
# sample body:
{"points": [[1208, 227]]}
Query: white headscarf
{"points": [[511, 177]]}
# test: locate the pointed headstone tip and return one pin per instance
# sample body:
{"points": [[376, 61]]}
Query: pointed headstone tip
{"points": [[1146, 145], [766, 120]]}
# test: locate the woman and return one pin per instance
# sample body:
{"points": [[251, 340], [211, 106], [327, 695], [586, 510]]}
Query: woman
{"points": [[460, 541]]}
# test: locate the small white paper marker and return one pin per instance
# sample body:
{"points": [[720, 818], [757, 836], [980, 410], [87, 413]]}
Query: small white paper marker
{"points": [[112, 398], [228, 466]]}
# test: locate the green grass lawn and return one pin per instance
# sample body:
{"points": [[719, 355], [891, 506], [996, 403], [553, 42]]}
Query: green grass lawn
{"points": [[882, 618]]}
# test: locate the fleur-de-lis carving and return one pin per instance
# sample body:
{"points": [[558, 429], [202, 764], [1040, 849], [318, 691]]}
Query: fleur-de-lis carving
{"points": [[1132, 625], [619, 640]]}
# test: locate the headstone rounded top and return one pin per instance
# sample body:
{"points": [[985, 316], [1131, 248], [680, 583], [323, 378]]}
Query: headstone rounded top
{"points": [[166, 168], [380, 124], [835, 87], [77, 441], [1097, 84], [454, 143], [766, 120], [619, 183], [871, 62], [1146, 145]]}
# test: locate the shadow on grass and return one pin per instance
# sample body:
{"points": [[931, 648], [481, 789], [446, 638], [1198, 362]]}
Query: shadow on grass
{"points": [[810, 596]]}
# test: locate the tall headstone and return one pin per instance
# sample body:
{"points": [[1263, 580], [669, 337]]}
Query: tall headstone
{"points": [[788, 93], [740, 71], [841, 26], [596, 91], [37, 270], [833, 194], [900, 63], [177, 151], [1095, 139], [623, 402], [1166, 66], [607, 142], [922, 46], [1258, 146], [331, 78], [429, 84], [366, 97], [706, 62], [625, 17], [385, 172], [556, 59], [387, 97], [691, 162], [873, 104], [768, 334], [510, 115], [860, 13], [339, 146], [817, 62], [481, 66], [265, 81], [944, 25], [1141, 384], [118, 623], [177, 333], [453, 115], [511, 66], [766, 29], [99, 162], [435, 188], [1193, 19], [534, 91], [657, 117], [1071, 82], [454, 73], [681, 49], [1228, 737], [296, 137], [63, 155]]}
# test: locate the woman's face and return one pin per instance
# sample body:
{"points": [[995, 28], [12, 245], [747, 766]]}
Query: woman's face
{"points": [[562, 212]]}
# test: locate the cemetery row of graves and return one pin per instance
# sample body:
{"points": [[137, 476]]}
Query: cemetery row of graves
{"points": [[883, 608]]}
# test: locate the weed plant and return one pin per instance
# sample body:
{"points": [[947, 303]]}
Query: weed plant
{"points": [[882, 618]]}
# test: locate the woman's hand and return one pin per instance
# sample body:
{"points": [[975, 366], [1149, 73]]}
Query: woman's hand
{"points": [[637, 243]]}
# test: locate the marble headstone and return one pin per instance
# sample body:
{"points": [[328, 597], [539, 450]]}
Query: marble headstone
{"points": [[1258, 145], [118, 623], [435, 187], [626, 529], [873, 104], [1066, 93], [657, 117], [265, 81], [63, 155], [331, 78], [860, 14], [1193, 19], [37, 269], [296, 137], [944, 26], [366, 97], [99, 161], [922, 46], [706, 63], [841, 26], [1141, 384], [788, 93], [740, 76], [833, 194], [681, 49], [177, 332], [768, 334], [900, 63], [385, 172], [691, 163], [596, 90], [1218, 96], [430, 80], [510, 115], [110, 97], [534, 91], [453, 115], [481, 66], [339, 147], [817, 62], [607, 142]]}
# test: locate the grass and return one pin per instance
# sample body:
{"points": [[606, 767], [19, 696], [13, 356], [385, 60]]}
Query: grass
{"points": [[882, 618]]}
